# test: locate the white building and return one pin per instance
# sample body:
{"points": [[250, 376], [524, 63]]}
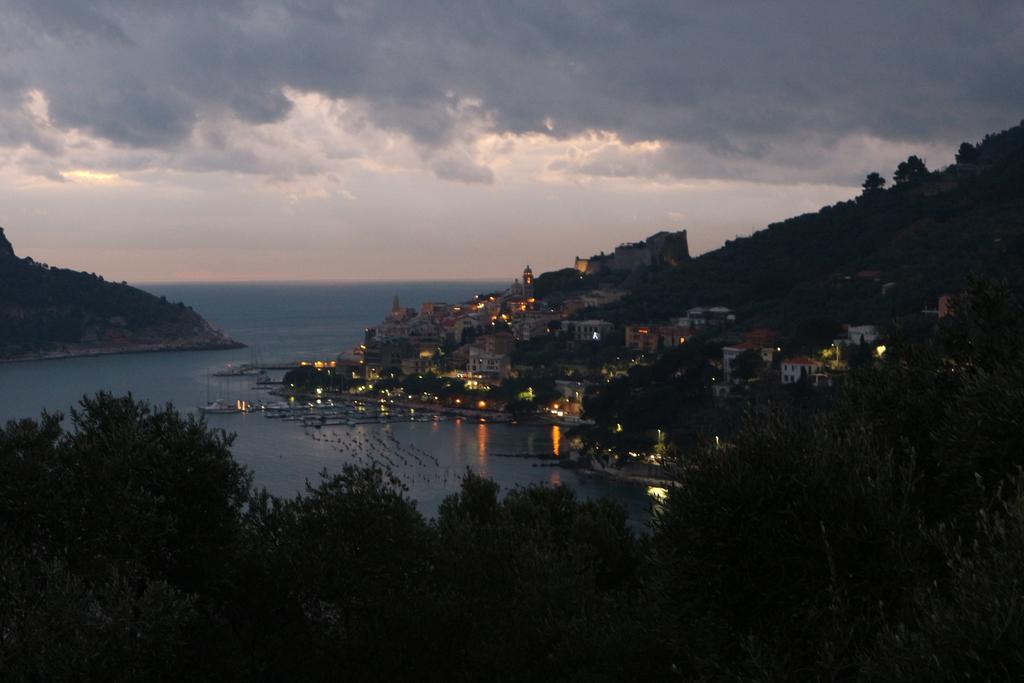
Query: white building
{"points": [[855, 334], [795, 369], [591, 330]]}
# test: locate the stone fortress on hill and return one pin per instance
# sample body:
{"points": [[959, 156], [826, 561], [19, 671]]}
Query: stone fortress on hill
{"points": [[664, 247]]}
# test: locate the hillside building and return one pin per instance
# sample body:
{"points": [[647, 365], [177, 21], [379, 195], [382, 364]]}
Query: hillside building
{"points": [[795, 369], [651, 338], [590, 330], [854, 335], [731, 353], [488, 366], [701, 316]]}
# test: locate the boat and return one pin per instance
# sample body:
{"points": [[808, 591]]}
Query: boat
{"points": [[219, 407]]}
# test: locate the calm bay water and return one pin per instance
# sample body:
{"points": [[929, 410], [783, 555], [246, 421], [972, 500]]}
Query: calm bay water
{"points": [[288, 322]]}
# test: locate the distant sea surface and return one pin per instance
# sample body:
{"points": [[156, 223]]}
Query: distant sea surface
{"points": [[307, 321]]}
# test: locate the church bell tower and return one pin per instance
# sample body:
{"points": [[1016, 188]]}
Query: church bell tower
{"points": [[527, 282]]}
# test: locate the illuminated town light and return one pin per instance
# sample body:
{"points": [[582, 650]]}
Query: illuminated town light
{"points": [[658, 493]]}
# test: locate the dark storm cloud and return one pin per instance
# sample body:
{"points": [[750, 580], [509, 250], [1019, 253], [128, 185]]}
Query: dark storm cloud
{"points": [[741, 80]]}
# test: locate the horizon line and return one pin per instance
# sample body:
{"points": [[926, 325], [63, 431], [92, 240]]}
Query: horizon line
{"points": [[322, 281]]}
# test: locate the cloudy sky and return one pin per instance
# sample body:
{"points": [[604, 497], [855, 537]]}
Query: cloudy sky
{"points": [[310, 139]]}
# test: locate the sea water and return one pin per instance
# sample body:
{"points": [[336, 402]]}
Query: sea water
{"points": [[287, 322]]}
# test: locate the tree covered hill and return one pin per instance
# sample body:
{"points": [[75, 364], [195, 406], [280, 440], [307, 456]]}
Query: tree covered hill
{"points": [[51, 312], [923, 235]]}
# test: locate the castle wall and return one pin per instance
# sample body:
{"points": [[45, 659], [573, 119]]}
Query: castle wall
{"points": [[671, 248], [628, 257]]}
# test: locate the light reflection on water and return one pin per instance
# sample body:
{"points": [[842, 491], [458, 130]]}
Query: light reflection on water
{"points": [[481, 442], [285, 455]]}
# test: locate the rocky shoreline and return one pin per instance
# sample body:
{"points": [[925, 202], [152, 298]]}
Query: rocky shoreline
{"points": [[141, 347]]}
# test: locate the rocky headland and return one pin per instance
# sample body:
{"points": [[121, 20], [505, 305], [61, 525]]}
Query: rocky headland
{"points": [[48, 312]]}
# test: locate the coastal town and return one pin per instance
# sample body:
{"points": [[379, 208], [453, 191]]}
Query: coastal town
{"points": [[511, 341], [541, 351]]}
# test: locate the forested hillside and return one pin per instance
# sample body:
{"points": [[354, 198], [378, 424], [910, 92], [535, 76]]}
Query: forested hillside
{"points": [[48, 311], [923, 235]]}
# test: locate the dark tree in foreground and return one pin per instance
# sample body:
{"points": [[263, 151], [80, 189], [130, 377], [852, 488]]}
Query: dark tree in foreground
{"points": [[850, 541], [113, 535], [132, 548]]}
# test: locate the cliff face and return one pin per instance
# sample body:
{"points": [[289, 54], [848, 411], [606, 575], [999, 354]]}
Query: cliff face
{"points": [[6, 250], [53, 312]]}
